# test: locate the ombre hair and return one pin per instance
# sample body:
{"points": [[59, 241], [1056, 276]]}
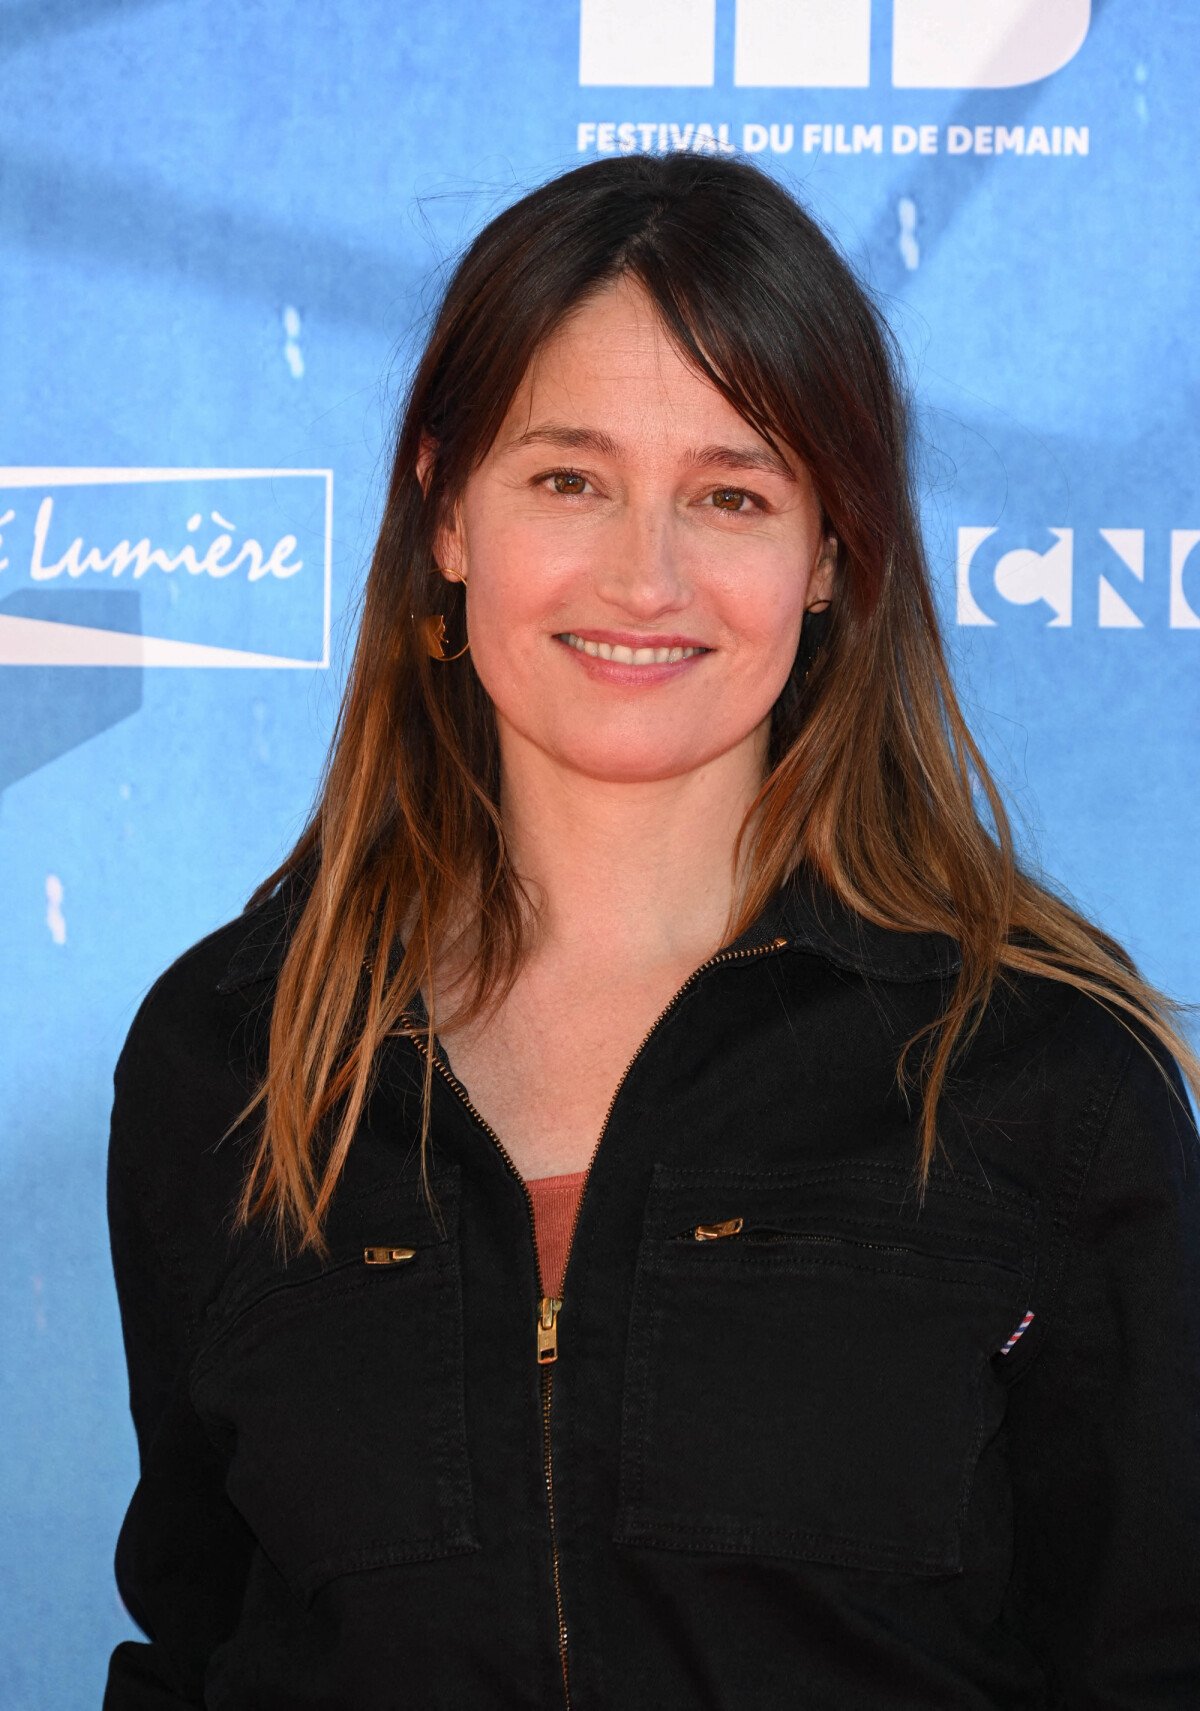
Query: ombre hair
{"points": [[872, 776]]}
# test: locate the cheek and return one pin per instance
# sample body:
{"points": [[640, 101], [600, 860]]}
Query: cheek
{"points": [[517, 574], [510, 604], [764, 611]]}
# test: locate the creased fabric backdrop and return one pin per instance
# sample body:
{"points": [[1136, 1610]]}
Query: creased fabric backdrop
{"points": [[223, 227]]}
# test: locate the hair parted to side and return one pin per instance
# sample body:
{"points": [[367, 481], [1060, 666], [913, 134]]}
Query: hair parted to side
{"points": [[871, 768]]}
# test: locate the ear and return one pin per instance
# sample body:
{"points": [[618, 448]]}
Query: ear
{"points": [[820, 586], [447, 546]]}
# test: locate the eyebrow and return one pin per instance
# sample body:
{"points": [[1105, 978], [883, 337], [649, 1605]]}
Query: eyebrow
{"points": [[700, 457]]}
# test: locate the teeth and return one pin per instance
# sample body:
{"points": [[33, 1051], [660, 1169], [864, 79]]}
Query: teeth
{"points": [[621, 655]]}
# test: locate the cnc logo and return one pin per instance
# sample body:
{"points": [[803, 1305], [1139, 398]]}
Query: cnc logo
{"points": [[826, 44], [1112, 579], [165, 567]]}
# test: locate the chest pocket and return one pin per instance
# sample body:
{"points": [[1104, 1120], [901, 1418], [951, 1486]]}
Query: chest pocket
{"points": [[810, 1370], [336, 1390]]}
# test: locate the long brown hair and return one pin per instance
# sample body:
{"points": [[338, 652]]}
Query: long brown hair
{"points": [[872, 773]]}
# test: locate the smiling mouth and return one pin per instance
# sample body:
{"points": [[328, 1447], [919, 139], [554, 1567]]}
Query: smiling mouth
{"points": [[621, 655]]}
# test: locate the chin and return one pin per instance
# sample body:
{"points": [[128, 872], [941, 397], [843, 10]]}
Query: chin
{"points": [[641, 764]]}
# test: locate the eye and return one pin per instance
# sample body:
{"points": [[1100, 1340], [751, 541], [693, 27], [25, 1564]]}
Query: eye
{"points": [[568, 482], [729, 499]]}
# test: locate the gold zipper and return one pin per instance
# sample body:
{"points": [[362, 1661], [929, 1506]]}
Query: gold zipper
{"points": [[714, 1232], [548, 1470], [547, 1329], [550, 1306], [546, 1342]]}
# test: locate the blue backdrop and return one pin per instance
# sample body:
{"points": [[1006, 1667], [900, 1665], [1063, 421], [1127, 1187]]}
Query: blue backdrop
{"points": [[223, 228]]}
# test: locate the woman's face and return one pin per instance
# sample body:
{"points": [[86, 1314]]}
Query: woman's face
{"points": [[626, 512]]}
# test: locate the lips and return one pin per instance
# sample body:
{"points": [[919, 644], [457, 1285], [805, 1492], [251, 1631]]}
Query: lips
{"points": [[666, 651], [638, 638]]}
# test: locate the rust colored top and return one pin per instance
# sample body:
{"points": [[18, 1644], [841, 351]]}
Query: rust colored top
{"points": [[555, 1199]]}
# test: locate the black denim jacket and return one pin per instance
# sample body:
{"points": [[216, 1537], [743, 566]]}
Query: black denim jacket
{"points": [[792, 1438]]}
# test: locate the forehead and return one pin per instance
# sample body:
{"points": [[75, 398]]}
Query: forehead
{"points": [[611, 365]]}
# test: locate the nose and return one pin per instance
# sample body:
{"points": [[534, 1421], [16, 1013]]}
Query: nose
{"points": [[641, 572]]}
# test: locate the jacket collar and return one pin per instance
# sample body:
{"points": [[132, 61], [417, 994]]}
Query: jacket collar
{"points": [[803, 910], [816, 920]]}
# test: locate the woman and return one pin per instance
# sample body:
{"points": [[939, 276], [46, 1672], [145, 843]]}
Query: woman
{"points": [[547, 1276]]}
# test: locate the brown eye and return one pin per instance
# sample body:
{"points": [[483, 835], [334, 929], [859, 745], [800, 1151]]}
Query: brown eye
{"points": [[562, 477], [724, 493]]}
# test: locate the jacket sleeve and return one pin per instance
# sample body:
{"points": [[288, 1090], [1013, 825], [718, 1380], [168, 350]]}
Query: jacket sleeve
{"points": [[1104, 1425], [183, 1552]]}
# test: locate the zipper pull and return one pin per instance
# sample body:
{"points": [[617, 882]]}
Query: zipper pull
{"points": [[711, 1232], [547, 1329], [387, 1256]]}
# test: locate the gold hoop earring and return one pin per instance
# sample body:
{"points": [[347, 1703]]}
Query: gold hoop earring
{"points": [[433, 635], [433, 630]]}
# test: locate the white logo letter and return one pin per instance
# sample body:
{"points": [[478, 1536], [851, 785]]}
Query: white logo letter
{"points": [[628, 41], [984, 44], [802, 44], [1184, 615], [1019, 577], [1130, 547]]}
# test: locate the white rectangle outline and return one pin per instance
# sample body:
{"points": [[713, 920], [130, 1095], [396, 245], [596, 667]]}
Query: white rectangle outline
{"points": [[24, 476]]}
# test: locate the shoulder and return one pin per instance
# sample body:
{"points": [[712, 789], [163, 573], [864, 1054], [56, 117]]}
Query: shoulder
{"points": [[185, 1010], [1041, 1045], [190, 1063], [1080, 1084], [1089, 1038], [1148, 1131], [217, 979]]}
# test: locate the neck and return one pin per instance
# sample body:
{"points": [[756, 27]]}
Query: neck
{"points": [[635, 874]]}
